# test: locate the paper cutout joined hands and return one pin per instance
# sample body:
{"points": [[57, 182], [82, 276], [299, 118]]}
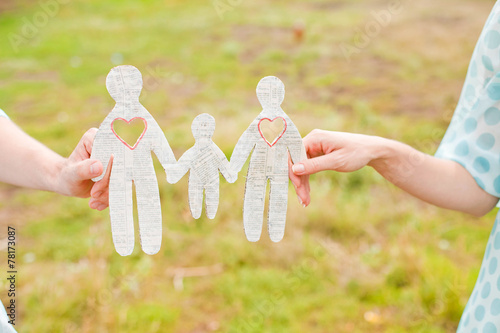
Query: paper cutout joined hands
{"points": [[204, 160]]}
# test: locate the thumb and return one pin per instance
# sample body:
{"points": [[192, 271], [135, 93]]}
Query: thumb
{"points": [[313, 165], [86, 169]]}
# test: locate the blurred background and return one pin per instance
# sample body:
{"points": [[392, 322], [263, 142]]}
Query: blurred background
{"points": [[363, 257]]}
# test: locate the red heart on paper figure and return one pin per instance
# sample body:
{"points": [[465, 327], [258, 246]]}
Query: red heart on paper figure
{"points": [[129, 130], [272, 129]]}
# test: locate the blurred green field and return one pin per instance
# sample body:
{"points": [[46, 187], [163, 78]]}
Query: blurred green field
{"points": [[363, 257]]}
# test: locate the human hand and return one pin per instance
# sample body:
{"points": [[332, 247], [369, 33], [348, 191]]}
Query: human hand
{"points": [[300, 183], [76, 172], [343, 152]]}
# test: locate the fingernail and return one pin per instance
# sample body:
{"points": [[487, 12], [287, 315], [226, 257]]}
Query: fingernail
{"points": [[97, 194], [300, 201], [298, 168], [93, 170], [93, 205]]}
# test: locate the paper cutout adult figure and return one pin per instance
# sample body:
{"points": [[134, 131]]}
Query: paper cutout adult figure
{"points": [[204, 161], [269, 161], [132, 163]]}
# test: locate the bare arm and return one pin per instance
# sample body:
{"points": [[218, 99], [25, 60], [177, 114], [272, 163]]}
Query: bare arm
{"points": [[443, 183], [28, 163]]}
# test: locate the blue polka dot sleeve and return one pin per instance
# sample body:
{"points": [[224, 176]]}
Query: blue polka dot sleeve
{"points": [[473, 137]]}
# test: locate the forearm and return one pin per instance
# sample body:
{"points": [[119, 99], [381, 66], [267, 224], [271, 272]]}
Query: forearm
{"points": [[25, 161], [443, 183]]}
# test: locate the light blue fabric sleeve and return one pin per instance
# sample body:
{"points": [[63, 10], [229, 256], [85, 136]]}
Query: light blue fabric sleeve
{"points": [[3, 114], [473, 137]]}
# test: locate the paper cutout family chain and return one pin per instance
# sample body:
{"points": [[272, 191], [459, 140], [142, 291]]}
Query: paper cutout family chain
{"points": [[204, 161]]}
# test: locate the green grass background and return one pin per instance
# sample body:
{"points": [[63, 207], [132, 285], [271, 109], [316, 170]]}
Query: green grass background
{"points": [[363, 257]]}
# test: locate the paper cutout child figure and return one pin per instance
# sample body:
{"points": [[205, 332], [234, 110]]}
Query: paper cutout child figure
{"points": [[132, 164], [204, 161], [269, 161]]}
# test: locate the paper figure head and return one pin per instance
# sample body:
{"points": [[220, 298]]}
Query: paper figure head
{"points": [[124, 81], [203, 126], [270, 92]]}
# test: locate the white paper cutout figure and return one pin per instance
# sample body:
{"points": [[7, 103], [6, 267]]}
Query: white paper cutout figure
{"points": [[269, 161], [132, 164], [203, 161]]}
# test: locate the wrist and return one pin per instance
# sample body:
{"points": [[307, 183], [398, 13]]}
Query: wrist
{"points": [[382, 152], [53, 175]]}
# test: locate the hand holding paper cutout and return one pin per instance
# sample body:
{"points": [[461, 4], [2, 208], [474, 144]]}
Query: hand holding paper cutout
{"points": [[204, 161], [269, 161], [132, 162]]}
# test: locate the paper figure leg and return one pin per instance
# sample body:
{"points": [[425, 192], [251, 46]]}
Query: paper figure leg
{"points": [[195, 196], [253, 207], [121, 215], [149, 211], [278, 199], [212, 199]]}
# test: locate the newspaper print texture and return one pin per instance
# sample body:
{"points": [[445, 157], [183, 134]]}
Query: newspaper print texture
{"points": [[204, 161], [269, 162], [132, 164]]}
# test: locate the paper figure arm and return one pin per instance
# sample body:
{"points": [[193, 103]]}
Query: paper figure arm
{"points": [[161, 148], [244, 147], [224, 167], [176, 171], [101, 150], [294, 143]]}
